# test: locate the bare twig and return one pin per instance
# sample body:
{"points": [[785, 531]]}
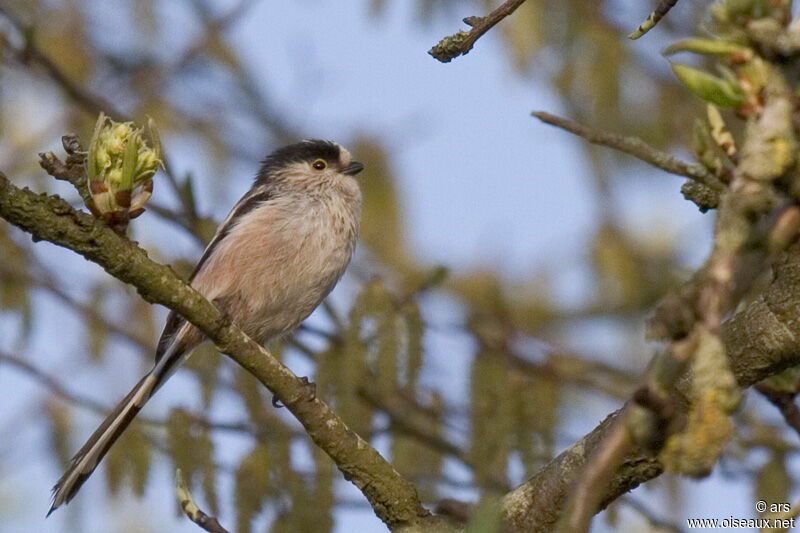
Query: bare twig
{"points": [[635, 147], [653, 18], [73, 170], [462, 42], [190, 509]]}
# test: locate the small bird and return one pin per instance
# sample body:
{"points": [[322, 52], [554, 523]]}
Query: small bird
{"points": [[277, 254]]}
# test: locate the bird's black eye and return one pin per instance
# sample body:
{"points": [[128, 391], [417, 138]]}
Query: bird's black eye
{"points": [[319, 164]]}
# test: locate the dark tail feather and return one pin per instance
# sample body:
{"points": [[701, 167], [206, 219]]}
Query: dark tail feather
{"points": [[89, 456]]}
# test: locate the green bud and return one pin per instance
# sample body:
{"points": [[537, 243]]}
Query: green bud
{"points": [[114, 179], [103, 160], [718, 91], [121, 161], [115, 144], [121, 129], [707, 47]]}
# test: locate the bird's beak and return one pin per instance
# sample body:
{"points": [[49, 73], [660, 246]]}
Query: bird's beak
{"points": [[353, 168]]}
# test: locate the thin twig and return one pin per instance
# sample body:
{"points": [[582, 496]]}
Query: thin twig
{"points": [[635, 147], [653, 18], [462, 42], [190, 509]]}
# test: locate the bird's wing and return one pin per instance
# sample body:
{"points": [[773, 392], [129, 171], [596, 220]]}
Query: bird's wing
{"points": [[247, 203]]}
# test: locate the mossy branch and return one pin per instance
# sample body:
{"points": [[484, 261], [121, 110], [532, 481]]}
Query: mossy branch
{"points": [[761, 340], [50, 218], [461, 43]]}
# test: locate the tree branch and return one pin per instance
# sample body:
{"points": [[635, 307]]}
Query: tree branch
{"points": [[761, 340], [462, 42], [50, 218], [190, 509], [635, 147]]}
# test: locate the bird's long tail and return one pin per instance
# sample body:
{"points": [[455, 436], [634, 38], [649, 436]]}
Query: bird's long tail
{"points": [[90, 455]]}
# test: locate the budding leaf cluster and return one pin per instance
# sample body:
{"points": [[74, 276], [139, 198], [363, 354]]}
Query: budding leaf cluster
{"points": [[120, 165]]}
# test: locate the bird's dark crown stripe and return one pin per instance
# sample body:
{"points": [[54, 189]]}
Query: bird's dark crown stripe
{"points": [[296, 153]]}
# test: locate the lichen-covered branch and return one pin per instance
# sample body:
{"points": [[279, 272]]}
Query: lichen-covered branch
{"points": [[50, 218], [462, 42], [761, 340]]}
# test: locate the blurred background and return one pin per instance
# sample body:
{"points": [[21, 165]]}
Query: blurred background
{"points": [[494, 311]]}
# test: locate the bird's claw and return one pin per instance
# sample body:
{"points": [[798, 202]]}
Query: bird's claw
{"points": [[308, 393]]}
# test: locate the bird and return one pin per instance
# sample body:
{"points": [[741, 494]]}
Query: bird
{"points": [[277, 254]]}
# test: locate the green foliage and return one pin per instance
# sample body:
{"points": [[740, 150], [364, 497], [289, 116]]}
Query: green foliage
{"points": [[382, 345], [192, 451], [59, 420], [304, 514], [205, 363], [139, 318], [773, 482], [707, 47], [250, 392], [491, 419], [619, 265], [120, 164], [352, 370], [96, 333], [129, 460], [414, 329], [14, 289], [524, 33], [536, 403], [487, 517], [718, 91], [418, 461], [382, 224], [252, 480]]}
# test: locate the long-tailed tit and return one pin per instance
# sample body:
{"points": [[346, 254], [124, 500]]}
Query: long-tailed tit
{"points": [[276, 255]]}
